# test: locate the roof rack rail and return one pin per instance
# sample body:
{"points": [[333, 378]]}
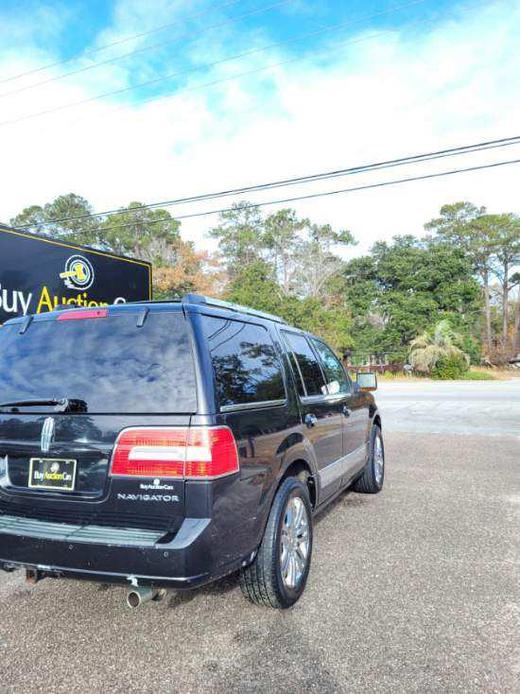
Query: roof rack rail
{"points": [[66, 307], [218, 303]]}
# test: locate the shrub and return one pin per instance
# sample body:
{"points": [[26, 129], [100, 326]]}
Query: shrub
{"points": [[472, 348], [451, 367], [436, 353]]}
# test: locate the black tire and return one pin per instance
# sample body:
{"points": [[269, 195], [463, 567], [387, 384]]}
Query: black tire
{"points": [[262, 581], [370, 482]]}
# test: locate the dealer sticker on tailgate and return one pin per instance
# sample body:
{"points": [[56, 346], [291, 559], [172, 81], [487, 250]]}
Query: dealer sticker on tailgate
{"points": [[52, 473]]}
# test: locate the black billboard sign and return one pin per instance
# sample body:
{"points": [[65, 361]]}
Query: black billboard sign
{"points": [[37, 274]]}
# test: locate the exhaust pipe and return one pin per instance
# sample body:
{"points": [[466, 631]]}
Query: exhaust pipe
{"points": [[138, 596], [32, 576]]}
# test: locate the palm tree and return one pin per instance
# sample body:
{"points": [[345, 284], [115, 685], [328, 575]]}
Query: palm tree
{"points": [[428, 349]]}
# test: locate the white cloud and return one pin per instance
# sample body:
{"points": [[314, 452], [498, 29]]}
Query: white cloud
{"points": [[425, 87]]}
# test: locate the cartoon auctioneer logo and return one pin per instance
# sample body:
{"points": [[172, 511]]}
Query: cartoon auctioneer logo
{"points": [[78, 274]]}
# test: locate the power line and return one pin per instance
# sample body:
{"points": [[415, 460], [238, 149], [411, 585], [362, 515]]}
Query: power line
{"points": [[312, 196], [332, 192], [281, 183], [189, 36], [246, 73], [132, 37], [337, 192]]}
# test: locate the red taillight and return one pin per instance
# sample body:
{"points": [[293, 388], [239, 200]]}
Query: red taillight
{"points": [[150, 452], [76, 314], [211, 452], [194, 453]]}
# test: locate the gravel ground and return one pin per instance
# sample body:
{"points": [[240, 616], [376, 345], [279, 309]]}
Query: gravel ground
{"points": [[413, 590]]}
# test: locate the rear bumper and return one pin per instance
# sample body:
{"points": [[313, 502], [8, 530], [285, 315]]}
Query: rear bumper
{"points": [[134, 557]]}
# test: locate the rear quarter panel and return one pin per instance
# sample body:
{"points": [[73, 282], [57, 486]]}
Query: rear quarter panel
{"points": [[268, 440]]}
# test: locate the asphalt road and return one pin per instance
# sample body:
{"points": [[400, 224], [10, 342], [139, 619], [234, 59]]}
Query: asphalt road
{"points": [[484, 408], [413, 590]]}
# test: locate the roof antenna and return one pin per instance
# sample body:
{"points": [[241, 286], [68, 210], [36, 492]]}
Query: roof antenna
{"points": [[25, 324], [142, 317]]}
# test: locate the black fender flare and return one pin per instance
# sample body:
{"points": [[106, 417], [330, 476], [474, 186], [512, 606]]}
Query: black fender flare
{"points": [[295, 447], [300, 449]]}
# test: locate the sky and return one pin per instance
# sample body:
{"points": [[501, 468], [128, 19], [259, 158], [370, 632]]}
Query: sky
{"points": [[154, 100]]}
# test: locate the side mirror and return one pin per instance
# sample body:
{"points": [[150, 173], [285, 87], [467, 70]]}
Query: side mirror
{"points": [[366, 381]]}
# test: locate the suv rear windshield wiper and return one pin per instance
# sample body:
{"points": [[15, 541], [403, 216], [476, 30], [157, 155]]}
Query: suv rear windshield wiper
{"points": [[64, 404]]}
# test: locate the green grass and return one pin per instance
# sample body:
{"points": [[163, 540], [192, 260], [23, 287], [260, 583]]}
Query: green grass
{"points": [[388, 376], [472, 375], [478, 376]]}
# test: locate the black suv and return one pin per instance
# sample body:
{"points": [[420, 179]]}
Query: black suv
{"points": [[169, 444]]}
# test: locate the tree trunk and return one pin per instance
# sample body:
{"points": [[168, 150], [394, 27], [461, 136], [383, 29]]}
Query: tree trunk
{"points": [[516, 333], [487, 309], [505, 304], [285, 273]]}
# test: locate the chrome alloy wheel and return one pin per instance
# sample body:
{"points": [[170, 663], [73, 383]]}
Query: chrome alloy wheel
{"points": [[379, 459], [294, 552]]}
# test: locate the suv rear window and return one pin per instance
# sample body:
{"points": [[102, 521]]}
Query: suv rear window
{"points": [[245, 363], [109, 363]]}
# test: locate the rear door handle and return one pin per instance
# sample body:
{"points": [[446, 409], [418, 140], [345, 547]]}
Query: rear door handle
{"points": [[347, 411], [310, 420]]}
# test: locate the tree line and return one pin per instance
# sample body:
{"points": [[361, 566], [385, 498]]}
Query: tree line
{"points": [[461, 272]]}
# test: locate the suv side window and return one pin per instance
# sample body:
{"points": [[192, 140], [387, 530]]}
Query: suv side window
{"points": [[307, 363], [296, 373], [337, 381], [246, 366]]}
